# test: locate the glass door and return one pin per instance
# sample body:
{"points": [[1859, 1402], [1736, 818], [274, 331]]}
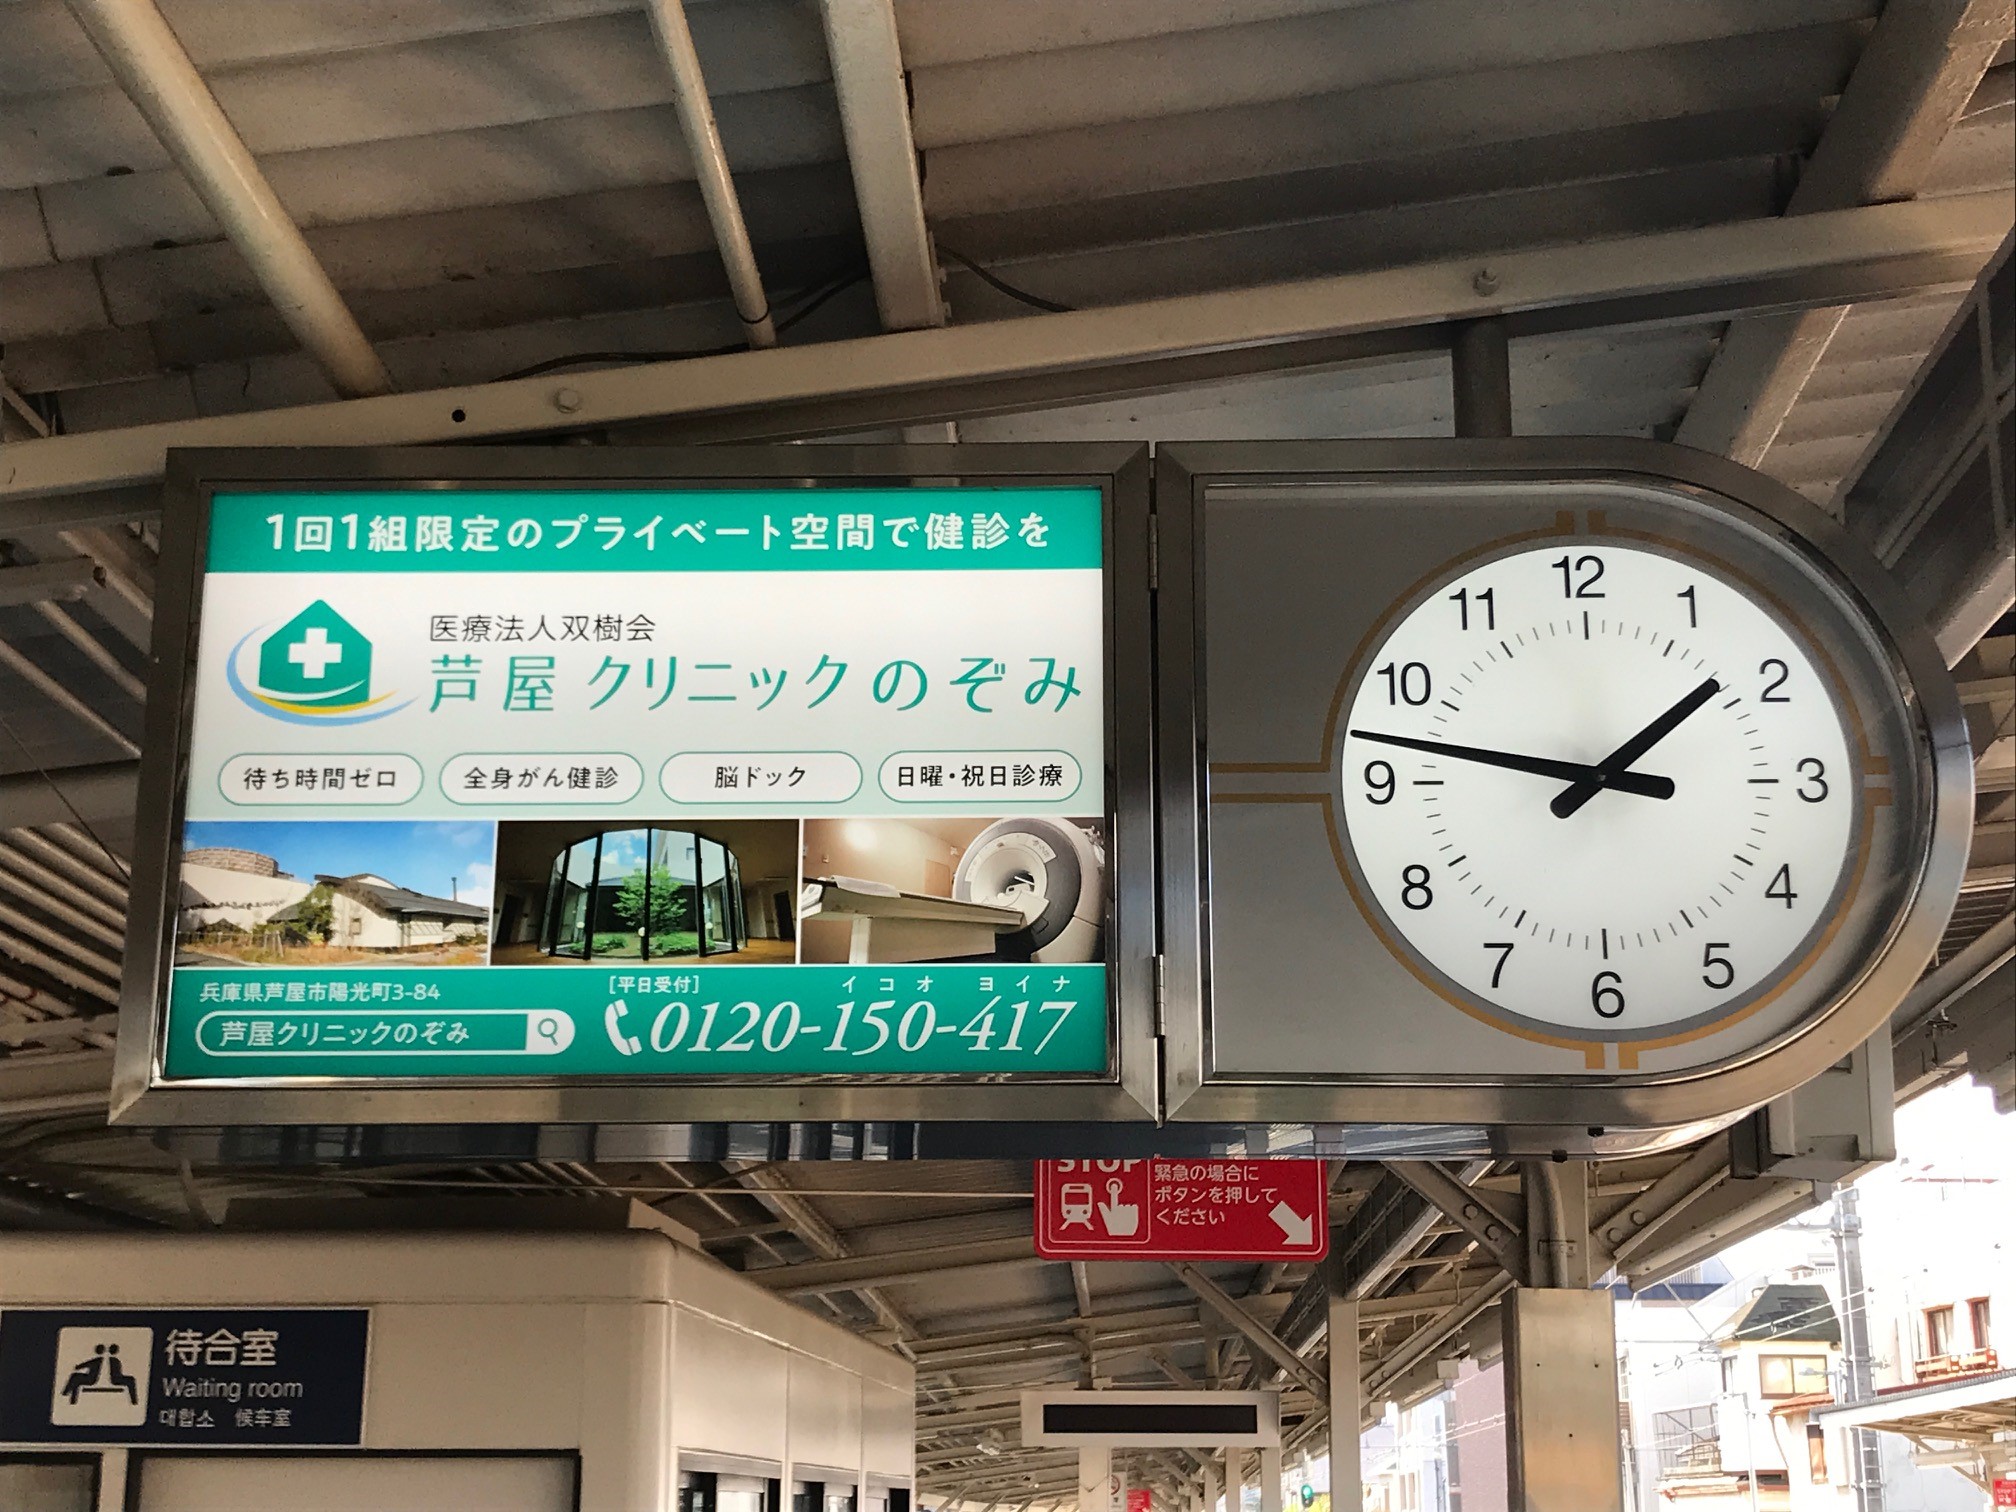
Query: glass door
{"points": [[574, 876], [675, 871]]}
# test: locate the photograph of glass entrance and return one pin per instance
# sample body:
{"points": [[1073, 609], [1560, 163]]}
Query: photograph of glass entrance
{"points": [[637, 893]]}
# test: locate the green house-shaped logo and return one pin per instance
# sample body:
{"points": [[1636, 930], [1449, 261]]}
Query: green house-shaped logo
{"points": [[318, 657]]}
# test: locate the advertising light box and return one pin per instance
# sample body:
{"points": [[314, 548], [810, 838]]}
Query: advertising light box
{"points": [[685, 775]]}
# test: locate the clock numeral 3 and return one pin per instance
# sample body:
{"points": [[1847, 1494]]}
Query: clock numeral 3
{"points": [[1606, 995], [1711, 964], [1815, 779], [1415, 892]]}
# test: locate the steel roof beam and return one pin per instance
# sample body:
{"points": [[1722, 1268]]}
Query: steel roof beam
{"points": [[1919, 68], [988, 368], [49, 582], [925, 1264], [869, 82], [695, 109], [148, 60]]}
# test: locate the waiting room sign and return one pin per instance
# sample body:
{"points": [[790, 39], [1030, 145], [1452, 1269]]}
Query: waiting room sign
{"points": [[718, 780]]}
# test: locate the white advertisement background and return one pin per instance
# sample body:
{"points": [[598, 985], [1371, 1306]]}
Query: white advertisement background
{"points": [[774, 621]]}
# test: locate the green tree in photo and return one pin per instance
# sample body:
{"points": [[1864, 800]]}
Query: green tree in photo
{"points": [[671, 902], [313, 916]]}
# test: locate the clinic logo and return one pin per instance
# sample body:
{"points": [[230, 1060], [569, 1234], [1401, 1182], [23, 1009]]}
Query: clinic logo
{"points": [[101, 1377], [315, 669]]}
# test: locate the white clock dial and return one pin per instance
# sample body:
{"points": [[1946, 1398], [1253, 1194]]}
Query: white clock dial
{"points": [[1599, 788]]}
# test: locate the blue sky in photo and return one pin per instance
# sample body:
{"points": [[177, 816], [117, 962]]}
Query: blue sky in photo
{"points": [[442, 858]]}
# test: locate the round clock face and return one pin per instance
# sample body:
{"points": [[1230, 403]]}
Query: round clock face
{"points": [[1600, 789]]}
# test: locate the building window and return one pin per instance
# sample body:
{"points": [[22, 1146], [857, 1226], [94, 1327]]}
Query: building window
{"points": [[1791, 1375], [1728, 1375], [1977, 1317], [1938, 1331], [1816, 1453]]}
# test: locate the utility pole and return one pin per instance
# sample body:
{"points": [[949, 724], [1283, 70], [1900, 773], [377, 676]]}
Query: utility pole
{"points": [[1865, 1454]]}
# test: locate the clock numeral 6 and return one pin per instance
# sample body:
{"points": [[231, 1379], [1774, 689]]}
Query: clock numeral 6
{"points": [[1415, 892], [1379, 782], [1606, 995], [1410, 684], [1712, 964]]}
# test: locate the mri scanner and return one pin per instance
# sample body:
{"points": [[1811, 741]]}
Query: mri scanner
{"points": [[1024, 890]]}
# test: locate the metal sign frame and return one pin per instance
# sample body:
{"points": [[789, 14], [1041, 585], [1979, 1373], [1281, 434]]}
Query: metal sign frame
{"points": [[1589, 1114], [1128, 1091]]}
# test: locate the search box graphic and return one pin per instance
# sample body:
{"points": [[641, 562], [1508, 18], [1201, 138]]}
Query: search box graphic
{"points": [[412, 1033]]}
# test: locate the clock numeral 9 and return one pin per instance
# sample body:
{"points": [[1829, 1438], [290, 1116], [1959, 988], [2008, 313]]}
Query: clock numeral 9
{"points": [[1379, 782], [1461, 598], [1415, 892], [1498, 970], [1606, 995], [1717, 971], [1780, 886], [1591, 568], [1410, 684], [1816, 779]]}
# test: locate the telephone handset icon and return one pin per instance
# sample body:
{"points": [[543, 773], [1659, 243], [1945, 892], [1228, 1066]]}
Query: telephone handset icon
{"points": [[612, 1020]]}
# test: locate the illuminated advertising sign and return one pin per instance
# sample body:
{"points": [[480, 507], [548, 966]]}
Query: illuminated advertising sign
{"points": [[643, 782]]}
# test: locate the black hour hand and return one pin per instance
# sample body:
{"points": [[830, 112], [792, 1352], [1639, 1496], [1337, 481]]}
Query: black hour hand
{"points": [[1539, 766]]}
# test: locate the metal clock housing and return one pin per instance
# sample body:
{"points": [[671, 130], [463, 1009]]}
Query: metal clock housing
{"points": [[1591, 785]]}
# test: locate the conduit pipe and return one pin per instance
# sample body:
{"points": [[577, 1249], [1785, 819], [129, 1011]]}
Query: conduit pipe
{"points": [[140, 48], [710, 168]]}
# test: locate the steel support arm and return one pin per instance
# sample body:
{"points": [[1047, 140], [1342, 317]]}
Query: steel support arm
{"points": [[1470, 1211], [148, 60], [1257, 1333]]}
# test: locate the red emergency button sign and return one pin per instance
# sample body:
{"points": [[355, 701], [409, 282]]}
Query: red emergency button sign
{"points": [[1165, 1209]]}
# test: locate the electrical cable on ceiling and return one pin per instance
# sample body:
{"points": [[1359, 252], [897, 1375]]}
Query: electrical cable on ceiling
{"points": [[812, 299], [64, 798], [1001, 285]]}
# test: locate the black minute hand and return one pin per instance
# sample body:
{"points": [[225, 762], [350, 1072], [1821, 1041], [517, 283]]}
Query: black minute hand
{"points": [[1611, 771], [1539, 766]]}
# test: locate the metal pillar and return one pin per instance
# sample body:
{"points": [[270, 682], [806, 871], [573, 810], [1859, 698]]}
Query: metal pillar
{"points": [[1270, 1479], [1095, 1481], [1561, 1439], [1347, 1406], [1480, 363], [1865, 1455], [1562, 1443], [1211, 1488]]}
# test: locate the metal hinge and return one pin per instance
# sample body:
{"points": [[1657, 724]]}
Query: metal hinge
{"points": [[1161, 994], [1154, 555]]}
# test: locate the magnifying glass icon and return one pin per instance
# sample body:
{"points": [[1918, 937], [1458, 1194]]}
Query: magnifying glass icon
{"points": [[548, 1033]]}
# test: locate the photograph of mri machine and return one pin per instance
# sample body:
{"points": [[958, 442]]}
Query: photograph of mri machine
{"points": [[932, 889]]}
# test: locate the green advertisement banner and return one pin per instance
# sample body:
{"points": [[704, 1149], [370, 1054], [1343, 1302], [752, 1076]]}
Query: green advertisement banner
{"points": [[737, 1021]]}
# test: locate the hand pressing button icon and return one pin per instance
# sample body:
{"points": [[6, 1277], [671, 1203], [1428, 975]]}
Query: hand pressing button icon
{"points": [[1122, 1220]]}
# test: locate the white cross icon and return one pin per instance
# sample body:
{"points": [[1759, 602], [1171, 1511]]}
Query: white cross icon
{"points": [[315, 653]]}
